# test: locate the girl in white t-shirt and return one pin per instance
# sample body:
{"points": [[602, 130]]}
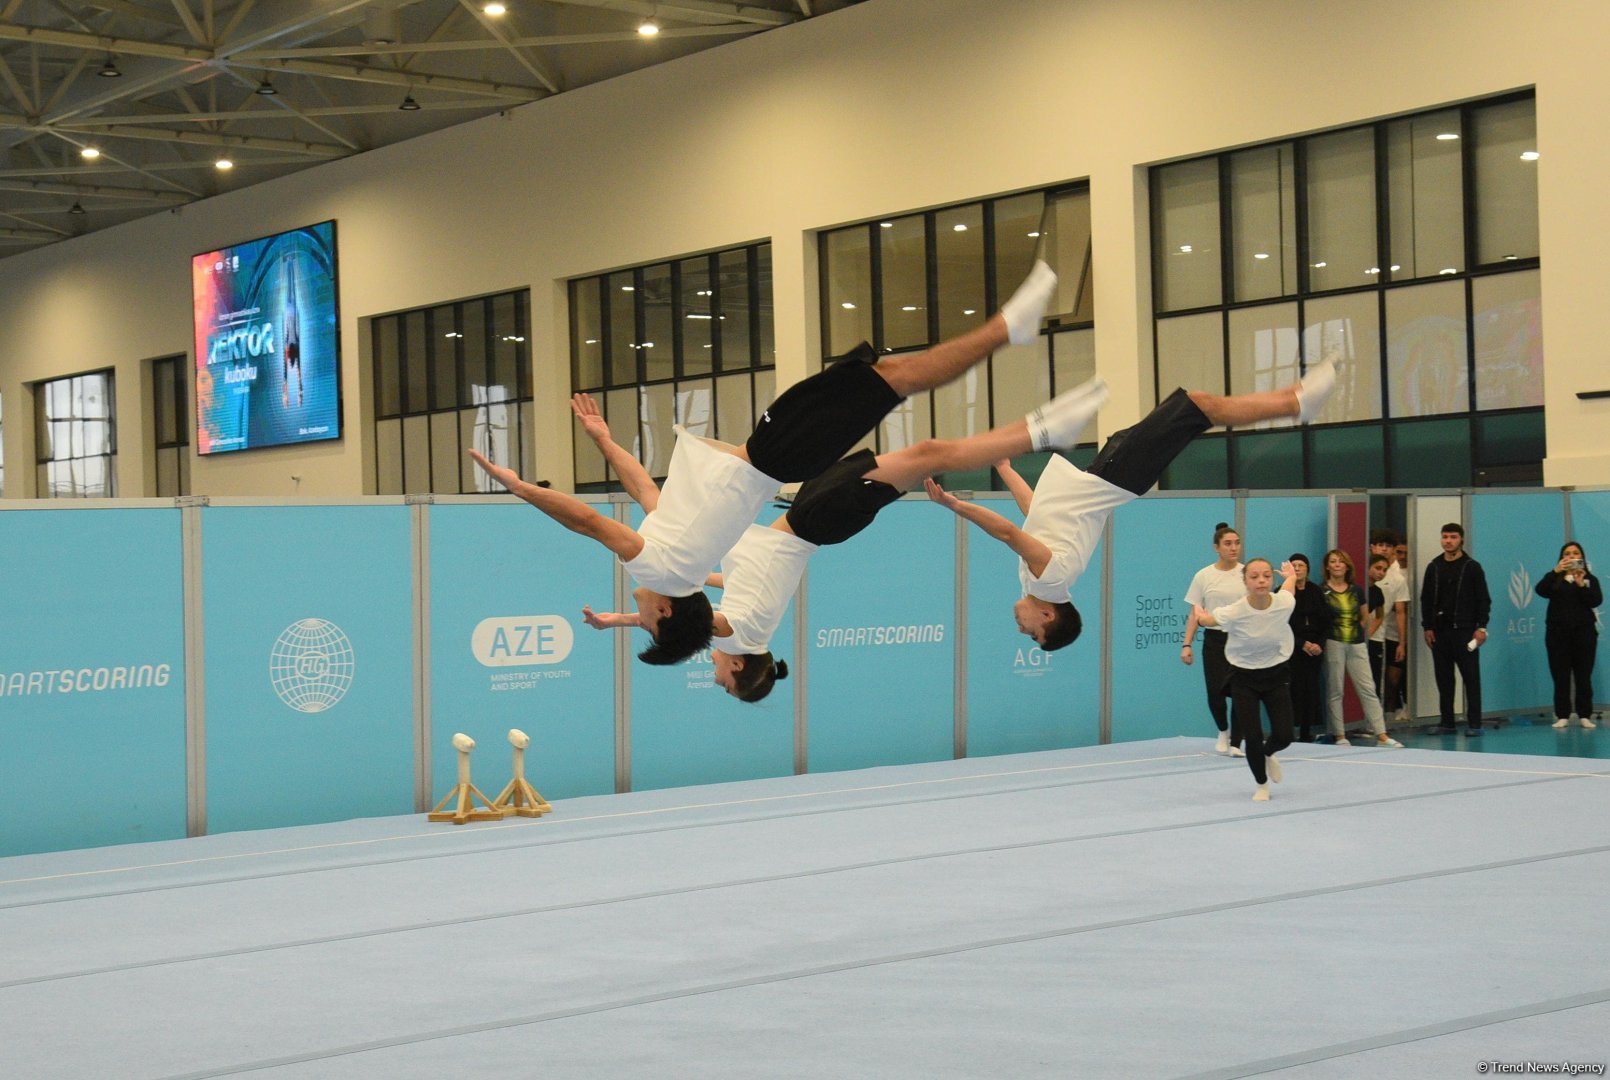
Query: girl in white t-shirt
{"points": [[1258, 642], [1215, 585]]}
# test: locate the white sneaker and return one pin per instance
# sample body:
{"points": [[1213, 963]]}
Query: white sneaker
{"points": [[1236, 751], [1057, 424], [1315, 387], [1587, 722], [1564, 721], [1026, 307], [1401, 716], [1223, 745], [1342, 741], [1262, 794], [1272, 764], [1383, 739]]}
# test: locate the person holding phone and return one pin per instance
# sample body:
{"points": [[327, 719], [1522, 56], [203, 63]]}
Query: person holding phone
{"points": [[1571, 632]]}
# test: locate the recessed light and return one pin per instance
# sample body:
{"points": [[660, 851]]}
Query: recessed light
{"points": [[648, 28], [959, 228], [495, 10], [1261, 255], [1186, 248], [908, 307], [89, 153], [628, 288], [1447, 136], [591, 341], [969, 311], [885, 224], [847, 306], [1529, 155], [223, 164], [1034, 234], [1320, 265]]}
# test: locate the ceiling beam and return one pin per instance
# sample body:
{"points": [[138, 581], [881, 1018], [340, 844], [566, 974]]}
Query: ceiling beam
{"points": [[392, 77], [231, 115], [35, 224], [279, 102], [25, 236], [123, 7], [697, 10], [96, 191], [72, 39], [207, 138], [726, 30], [189, 20], [171, 166], [537, 68]]}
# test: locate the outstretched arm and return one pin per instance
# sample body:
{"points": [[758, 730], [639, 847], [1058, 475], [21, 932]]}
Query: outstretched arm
{"points": [[567, 510], [610, 620], [1019, 487], [634, 478], [1030, 550]]}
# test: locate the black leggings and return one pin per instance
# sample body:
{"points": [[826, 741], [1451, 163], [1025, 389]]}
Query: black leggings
{"points": [[1271, 689], [1571, 652], [1216, 674], [1308, 693]]}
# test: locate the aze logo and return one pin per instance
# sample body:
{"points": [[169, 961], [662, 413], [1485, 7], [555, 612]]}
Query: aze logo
{"points": [[522, 640]]}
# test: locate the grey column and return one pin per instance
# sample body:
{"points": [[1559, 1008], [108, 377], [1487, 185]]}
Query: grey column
{"points": [[195, 669]]}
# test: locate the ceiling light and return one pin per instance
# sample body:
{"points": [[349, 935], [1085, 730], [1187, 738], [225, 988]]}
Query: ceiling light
{"points": [[409, 104], [1320, 265], [969, 311], [908, 307], [648, 344], [628, 288], [1394, 268], [591, 341], [648, 28], [1447, 136], [266, 89], [959, 228], [1526, 155], [1511, 258], [494, 10], [77, 208], [1261, 255], [1448, 270], [1186, 248], [1034, 234], [885, 224], [1372, 270], [223, 164], [847, 306], [109, 69], [89, 153]]}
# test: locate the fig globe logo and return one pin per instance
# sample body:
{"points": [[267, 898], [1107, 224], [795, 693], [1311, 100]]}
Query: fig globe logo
{"points": [[311, 665]]}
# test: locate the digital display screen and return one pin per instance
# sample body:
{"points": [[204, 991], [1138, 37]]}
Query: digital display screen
{"points": [[267, 343]]}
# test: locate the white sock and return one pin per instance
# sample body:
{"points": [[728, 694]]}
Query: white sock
{"points": [[1315, 387], [1026, 308], [1056, 424]]}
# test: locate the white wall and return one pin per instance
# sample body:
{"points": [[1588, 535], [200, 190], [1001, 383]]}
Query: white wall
{"points": [[891, 106]]}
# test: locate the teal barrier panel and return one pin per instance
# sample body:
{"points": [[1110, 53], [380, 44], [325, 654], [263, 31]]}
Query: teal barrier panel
{"points": [[1590, 526], [1278, 526], [1516, 538], [1020, 698], [687, 730], [1158, 545], [509, 649], [309, 664], [882, 619], [92, 716]]}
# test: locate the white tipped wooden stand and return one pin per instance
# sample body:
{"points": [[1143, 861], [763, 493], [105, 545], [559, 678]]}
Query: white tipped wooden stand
{"points": [[520, 797], [464, 793]]}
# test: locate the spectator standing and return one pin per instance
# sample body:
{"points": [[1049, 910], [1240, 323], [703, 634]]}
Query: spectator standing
{"points": [[1571, 633], [1454, 608]]}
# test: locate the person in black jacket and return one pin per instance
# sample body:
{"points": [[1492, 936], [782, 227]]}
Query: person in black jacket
{"points": [[1571, 632], [1454, 606], [1309, 621]]}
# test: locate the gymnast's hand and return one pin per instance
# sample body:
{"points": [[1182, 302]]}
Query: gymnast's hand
{"points": [[592, 421], [940, 495], [507, 477], [607, 620]]}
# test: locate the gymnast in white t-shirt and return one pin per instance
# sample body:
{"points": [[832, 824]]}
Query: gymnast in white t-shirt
{"points": [[1258, 642]]}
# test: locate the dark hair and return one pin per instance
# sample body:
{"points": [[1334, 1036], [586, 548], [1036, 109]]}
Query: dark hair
{"points": [[1382, 536], [1378, 558], [1297, 556], [1220, 529], [1063, 629], [759, 674], [1454, 527], [1579, 547], [687, 629]]}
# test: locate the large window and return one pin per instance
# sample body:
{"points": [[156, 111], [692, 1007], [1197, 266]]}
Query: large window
{"points": [[449, 377], [905, 282], [77, 436], [688, 341], [1407, 251], [170, 426]]}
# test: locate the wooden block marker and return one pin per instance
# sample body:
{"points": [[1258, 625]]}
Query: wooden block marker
{"points": [[520, 797], [465, 793]]}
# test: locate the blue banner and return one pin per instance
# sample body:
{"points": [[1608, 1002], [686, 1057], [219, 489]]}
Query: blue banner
{"points": [[1590, 527], [687, 730], [309, 664], [1278, 526], [1516, 538], [882, 648], [1019, 697], [1158, 546], [509, 649], [92, 716]]}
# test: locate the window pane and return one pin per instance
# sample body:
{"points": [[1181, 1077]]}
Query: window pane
{"points": [[847, 285], [416, 365], [1263, 222], [1348, 330], [388, 365], [1073, 355], [508, 345], [620, 410], [587, 334], [1506, 181], [523, 440], [763, 303], [388, 457], [1269, 460], [1020, 380], [1069, 248], [1425, 350], [1431, 454], [444, 338], [765, 389], [698, 316], [1185, 242], [737, 354], [1017, 238], [1203, 465], [735, 418], [695, 402], [621, 294], [474, 326], [416, 455], [1425, 195], [909, 422], [1341, 210], [168, 473], [1190, 353], [589, 459], [659, 346], [163, 412], [959, 252], [1263, 352], [905, 282], [445, 452], [1509, 340], [961, 406], [1347, 457], [1510, 439], [658, 415]]}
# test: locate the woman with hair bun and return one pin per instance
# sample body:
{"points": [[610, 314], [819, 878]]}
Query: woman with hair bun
{"points": [[1216, 585]]}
